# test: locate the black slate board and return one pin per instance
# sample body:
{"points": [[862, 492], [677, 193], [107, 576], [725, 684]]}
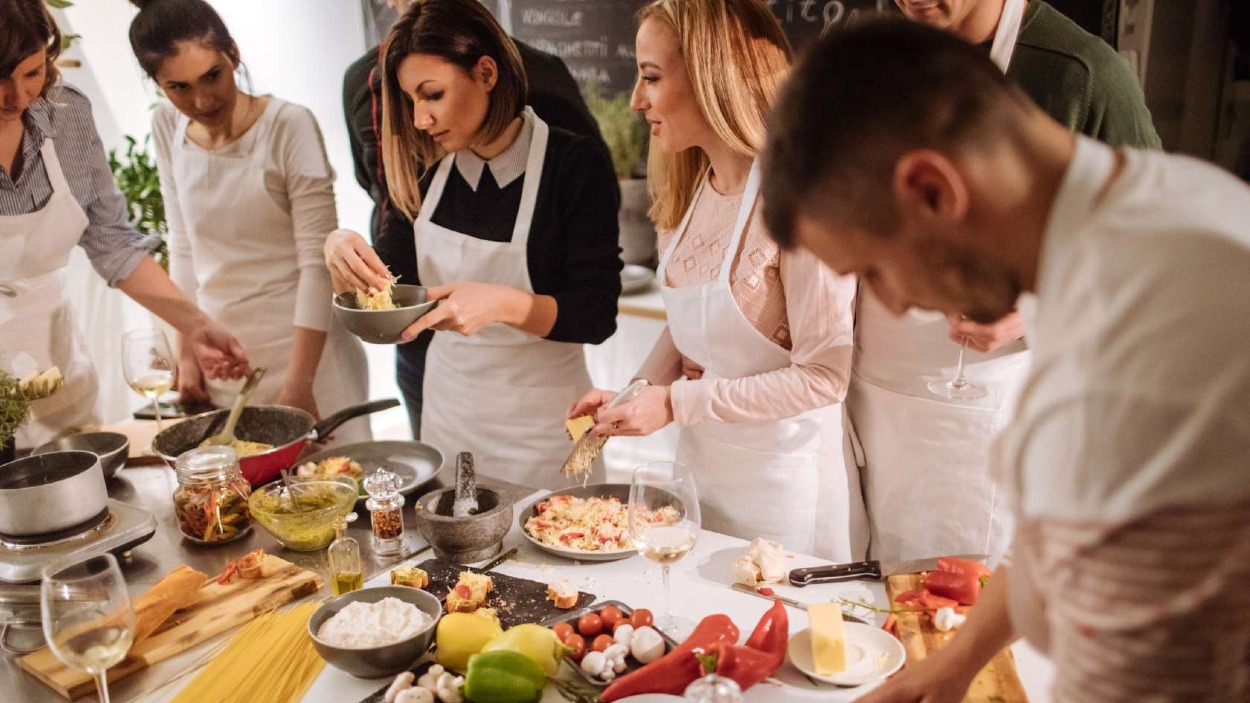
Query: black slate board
{"points": [[516, 600]]}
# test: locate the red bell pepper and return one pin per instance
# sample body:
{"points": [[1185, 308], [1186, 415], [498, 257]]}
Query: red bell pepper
{"points": [[963, 587], [674, 671], [772, 634], [763, 654], [963, 566]]}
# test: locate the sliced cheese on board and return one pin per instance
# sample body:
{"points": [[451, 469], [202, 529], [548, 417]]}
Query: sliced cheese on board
{"points": [[828, 640]]}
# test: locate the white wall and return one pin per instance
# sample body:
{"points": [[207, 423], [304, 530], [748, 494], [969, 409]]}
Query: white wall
{"points": [[295, 49]]}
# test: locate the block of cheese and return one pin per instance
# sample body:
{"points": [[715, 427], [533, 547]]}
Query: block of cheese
{"points": [[828, 642], [579, 426]]}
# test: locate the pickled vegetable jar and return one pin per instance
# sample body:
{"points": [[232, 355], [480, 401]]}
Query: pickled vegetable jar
{"points": [[211, 500]]}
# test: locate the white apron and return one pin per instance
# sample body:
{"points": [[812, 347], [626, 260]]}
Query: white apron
{"points": [[247, 272], [924, 460], [37, 328], [784, 480], [501, 393]]}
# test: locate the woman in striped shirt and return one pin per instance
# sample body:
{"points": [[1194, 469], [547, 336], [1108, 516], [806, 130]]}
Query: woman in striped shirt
{"points": [[56, 191]]}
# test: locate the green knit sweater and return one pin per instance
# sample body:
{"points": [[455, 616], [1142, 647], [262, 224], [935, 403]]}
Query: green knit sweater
{"points": [[1079, 80]]}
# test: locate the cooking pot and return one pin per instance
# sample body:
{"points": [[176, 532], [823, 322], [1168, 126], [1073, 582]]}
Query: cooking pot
{"points": [[50, 492], [287, 429]]}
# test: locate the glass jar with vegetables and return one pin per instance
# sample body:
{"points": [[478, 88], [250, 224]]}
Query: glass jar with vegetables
{"points": [[385, 506], [211, 500]]}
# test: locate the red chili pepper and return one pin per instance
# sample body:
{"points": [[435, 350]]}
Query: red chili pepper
{"points": [[772, 634], [746, 666], [765, 591], [674, 671]]}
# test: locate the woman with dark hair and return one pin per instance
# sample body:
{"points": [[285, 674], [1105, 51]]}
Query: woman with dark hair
{"points": [[249, 194], [56, 191], [515, 233]]}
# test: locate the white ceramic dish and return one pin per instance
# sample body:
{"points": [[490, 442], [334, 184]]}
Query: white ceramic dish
{"points": [[635, 279], [871, 654]]}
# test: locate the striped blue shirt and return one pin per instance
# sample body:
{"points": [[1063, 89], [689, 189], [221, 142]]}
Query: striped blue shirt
{"points": [[112, 244]]}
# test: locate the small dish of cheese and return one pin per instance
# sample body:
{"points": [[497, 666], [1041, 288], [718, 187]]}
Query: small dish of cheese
{"points": [[844, 653]]}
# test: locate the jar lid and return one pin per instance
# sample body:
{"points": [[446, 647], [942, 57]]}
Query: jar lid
{"points": [[206, 462]]}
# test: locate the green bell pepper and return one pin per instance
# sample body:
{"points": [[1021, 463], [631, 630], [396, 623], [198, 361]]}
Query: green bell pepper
{"points": [[503, 676]]}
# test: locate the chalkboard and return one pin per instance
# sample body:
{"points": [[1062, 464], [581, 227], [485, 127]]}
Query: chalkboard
{"points": [[596, 37]]}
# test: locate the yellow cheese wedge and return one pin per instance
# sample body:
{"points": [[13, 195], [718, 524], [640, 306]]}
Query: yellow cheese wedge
{"points": [[579, 426], [828, 642]]}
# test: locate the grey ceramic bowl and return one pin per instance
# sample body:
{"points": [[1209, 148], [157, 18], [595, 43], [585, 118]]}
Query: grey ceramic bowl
{"points": [[387, 660], [464, 540], [112, 447], [383, 326]]}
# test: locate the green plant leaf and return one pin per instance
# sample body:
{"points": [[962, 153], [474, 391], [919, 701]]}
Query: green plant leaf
{"points": [[624, 130], [134, 170]]}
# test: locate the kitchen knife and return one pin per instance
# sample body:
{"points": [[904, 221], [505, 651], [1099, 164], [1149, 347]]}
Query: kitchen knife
{"points": [[787, 601], [870, 570]]}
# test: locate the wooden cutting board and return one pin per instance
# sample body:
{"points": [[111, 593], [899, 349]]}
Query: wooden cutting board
{"points": [[217, 609], [998, 682]]}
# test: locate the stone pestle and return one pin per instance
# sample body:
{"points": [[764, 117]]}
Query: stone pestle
{"points": [[466, 486]]}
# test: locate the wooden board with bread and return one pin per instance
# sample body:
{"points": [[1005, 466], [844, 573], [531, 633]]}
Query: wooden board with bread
{"points": [[184, 609], [998, 682]]}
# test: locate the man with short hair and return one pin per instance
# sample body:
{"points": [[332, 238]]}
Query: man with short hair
{"points": [[937, 181], [924, 447]]}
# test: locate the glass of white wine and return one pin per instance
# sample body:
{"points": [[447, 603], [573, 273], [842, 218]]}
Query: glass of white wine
{"points": [[149, 365], [664, 524], [88, 619]]}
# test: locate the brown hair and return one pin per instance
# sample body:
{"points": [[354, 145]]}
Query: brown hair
{"points": [[26, 28], [460, 32], [162, 25], [737, 57], [860, 100]]}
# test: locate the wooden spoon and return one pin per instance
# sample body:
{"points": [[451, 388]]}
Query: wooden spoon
{"points": [[226, 437]]}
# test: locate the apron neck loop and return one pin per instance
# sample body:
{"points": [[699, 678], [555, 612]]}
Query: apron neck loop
{"points": [[749, 197]]}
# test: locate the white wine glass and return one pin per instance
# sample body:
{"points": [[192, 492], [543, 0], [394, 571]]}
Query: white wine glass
{"points": [[88, 619], [664, 524], [959, 387], [149, 365]]}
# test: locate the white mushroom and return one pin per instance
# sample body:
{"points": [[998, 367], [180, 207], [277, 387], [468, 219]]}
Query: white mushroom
{"points": [[595, 664], [646, 645], [946, 619], [615, 654], [401, 683], [430, 678], [416, 694], [448, 688], [623, 634]]}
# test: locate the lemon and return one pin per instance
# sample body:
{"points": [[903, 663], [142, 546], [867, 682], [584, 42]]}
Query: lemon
{"points": [[539, 644], [461, 635]]}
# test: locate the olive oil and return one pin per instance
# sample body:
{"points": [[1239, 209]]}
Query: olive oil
{"points": [[347, 582], [346, 572]]}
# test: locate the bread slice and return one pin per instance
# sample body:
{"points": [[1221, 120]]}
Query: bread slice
{"points": [[469, 593], [562, 594], [176, 590], [409, 576]]}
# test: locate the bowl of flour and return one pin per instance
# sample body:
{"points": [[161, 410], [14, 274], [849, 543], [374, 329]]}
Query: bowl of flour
{"points": [[375, 632]]}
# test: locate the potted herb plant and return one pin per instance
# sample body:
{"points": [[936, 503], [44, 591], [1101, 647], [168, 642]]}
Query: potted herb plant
{"points": [[15, 399], [625, 132], [134, 169]]}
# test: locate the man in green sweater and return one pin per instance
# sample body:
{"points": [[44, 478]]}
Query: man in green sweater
{"points": [[923, 440]]}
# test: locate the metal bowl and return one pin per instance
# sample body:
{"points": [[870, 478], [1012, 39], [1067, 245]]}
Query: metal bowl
{"points": [[383, 326], [112, 447], [386, 660]]}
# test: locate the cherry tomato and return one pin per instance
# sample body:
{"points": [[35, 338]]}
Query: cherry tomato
{"points": [[641, 618], [562, 630], [602, 642], [589, 625], [577, 643], [610, 615]]}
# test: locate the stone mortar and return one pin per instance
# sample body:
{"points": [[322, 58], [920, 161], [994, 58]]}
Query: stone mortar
{"points": [[464, 539]]}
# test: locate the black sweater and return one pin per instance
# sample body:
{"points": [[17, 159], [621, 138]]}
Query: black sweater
{"points": [[572, 250]]}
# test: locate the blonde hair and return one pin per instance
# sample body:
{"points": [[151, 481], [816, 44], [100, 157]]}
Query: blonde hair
{"points": [[460, 32], [737, 57]]}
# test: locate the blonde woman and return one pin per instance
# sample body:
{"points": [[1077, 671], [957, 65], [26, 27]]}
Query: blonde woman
{"points": [[756, 358], [515, 232]]}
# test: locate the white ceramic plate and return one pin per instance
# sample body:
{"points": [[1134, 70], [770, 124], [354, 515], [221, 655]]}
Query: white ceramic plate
{"points": [[620, 491], [871, 653], [635, 279]]}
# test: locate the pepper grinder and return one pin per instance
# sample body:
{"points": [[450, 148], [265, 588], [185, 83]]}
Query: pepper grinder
{"points": [[344, 554], [385, 506]]}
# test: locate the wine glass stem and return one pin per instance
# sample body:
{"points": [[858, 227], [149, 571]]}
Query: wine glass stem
{"points": [[156, 410], [668, 598], [102, 686], [959, 367]]}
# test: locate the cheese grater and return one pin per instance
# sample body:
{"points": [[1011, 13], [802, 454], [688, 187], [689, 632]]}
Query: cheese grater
{"points": [[587, 448]]}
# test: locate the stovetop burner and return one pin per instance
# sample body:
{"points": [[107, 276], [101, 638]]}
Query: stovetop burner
{"points": [[80, 532], [124, 527]]}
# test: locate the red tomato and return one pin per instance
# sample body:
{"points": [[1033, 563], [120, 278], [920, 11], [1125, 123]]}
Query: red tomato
{"points": [[589, 625], [764, 591], [562, 630], [610, 615], [909, 596], [577, 644], [640, 618], [602, 642], [463, 591], [962, 588]]}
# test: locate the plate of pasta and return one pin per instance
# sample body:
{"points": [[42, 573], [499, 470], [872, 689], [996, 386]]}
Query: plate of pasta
{"points": [[381, 316], [587, 523]]}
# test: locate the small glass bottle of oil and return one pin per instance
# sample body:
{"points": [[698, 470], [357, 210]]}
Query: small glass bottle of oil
{"points": [[346, 571]]}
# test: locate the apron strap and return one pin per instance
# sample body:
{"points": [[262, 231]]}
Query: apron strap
{"points": [[749, 196], [56, 175], [533, 176], [1007, 33], [681, 228]]}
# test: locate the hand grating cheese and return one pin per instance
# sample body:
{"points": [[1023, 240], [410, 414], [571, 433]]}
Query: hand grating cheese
{"points": [[828, 642], [579, 426]]}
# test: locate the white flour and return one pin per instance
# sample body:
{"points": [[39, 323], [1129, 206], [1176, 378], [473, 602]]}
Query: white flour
{"points": [[364, 625]]}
